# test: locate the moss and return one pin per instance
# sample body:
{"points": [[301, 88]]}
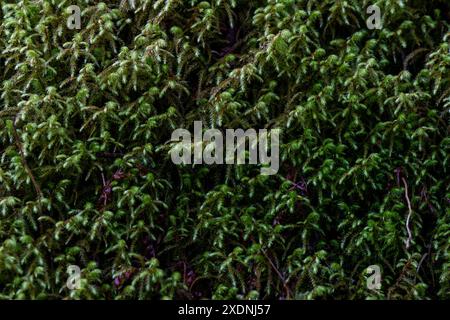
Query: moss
{"points": [[86, 177]]}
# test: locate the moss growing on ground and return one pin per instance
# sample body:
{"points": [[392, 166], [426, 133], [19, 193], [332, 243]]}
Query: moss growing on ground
{"points": [[86, 178]]}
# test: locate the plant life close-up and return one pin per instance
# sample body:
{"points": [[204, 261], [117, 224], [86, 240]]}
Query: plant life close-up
{"points": [[92, 205]]}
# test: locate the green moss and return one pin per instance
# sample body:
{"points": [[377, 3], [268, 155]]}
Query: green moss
{"points": [[86, 177]]}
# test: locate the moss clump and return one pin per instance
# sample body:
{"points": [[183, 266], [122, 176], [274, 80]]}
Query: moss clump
{"points": [[86, 178]]}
